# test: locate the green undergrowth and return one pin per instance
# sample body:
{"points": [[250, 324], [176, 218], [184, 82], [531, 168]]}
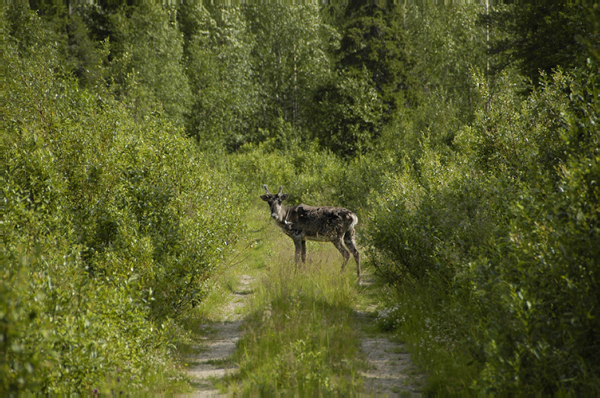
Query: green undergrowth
{"points": [[113, 226], [496, 271], [196, 323], [251, 256]]}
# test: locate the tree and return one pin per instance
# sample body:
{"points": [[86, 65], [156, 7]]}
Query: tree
{"points": [[218, 64], [146, 53], [448, 44], [290, 60], [537, 37], [347, 114], [374, 38]]}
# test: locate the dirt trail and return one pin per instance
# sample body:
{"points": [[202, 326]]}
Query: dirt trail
{"points": [[219, 344], [390, 371]]}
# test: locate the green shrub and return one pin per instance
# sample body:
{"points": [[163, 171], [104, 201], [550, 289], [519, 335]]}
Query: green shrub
{"points": [[428, 218], [520, 138], [540, 279], [440, 326], [307, 174], [346, 114], [66, 333], [505, 230], [114, 226]]}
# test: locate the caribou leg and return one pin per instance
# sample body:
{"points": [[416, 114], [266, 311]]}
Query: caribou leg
{"points": [[300, 250], [339, 244], [303, 251], [351, 245]]}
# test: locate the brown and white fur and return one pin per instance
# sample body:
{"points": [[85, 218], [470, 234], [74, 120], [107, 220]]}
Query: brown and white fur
{"points": [[321, 224]]}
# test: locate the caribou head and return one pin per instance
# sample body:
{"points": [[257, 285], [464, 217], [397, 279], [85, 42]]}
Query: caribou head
{"points": [[274, 202]]}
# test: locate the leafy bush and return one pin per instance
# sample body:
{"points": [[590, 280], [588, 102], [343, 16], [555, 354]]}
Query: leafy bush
{"points": [[361, 177], [505, 230], [64, 332], [307, 174], [346, 114], [113, 224], [310, 174], [440, 327], [427, 219], [541, 277], [516, 137]]}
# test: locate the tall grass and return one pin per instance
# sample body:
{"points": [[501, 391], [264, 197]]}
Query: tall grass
{"points": [[298, 334]]}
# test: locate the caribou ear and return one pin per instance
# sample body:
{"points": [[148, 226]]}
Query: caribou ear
{"points": [[285, 196], [265, 197]]}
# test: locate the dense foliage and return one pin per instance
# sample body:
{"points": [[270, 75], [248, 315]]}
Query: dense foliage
{"points": [[512, 222], [113, 225], [539, 38], [466, 143], [506, 225]]}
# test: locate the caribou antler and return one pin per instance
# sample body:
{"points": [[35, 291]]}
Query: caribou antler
{"points": [[266, 189], [280, 191]]}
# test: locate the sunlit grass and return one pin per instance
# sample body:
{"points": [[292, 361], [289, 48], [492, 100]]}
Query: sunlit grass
{"points": [[299, 330], [299, 335]]}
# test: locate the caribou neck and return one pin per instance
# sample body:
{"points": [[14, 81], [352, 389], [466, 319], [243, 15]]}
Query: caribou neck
{"points": [[284, 214]]}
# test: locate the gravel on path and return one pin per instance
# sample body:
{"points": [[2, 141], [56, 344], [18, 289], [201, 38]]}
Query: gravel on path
{"points": [[219, 345]]}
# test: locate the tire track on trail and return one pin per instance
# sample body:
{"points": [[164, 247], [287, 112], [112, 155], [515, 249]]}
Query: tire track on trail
{"points": [[390, 371], [218, 345]]}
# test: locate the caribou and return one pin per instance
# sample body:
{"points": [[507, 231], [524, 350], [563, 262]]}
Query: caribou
{"points": [[321, 224]]}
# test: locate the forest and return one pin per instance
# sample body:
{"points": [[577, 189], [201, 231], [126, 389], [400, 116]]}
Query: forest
{"points": [[136, 136]]}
